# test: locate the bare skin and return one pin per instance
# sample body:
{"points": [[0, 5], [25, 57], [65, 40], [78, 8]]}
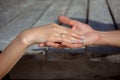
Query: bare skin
{"points": [[49, 34], [92, 37]]}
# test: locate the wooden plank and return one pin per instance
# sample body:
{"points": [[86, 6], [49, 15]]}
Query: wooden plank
{"points": [[22, 22], [5, 4], [100, 19], [77, 10], [99, 16], [50, 16], [16, 9], [115, 8], [66, 50], [66, 69]]}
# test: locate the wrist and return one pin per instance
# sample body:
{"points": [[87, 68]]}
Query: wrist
{"points": [[102, 38], [23, 38]]}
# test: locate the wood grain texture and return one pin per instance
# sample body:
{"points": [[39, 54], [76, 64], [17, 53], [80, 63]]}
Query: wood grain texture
{"points": [[65, 69], [115, 8], [22, 22], [50, 16], [9, 13], [77, 10], [5, 4], [99, 12]]}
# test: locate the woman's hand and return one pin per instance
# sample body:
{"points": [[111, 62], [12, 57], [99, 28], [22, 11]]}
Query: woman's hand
{"points": [[88, 36], [51, 35]]}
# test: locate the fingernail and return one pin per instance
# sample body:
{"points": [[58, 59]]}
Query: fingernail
{"points": [[82, 37]]}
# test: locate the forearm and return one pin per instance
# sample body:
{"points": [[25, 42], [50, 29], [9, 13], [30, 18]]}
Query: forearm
{"points": [[12, 54], [110, 38]]}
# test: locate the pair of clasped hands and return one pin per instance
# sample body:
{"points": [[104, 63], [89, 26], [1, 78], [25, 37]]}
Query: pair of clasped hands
{"points": [[54, 35]]}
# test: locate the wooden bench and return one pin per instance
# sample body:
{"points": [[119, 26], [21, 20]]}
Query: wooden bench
{"points": [[18, 15]]}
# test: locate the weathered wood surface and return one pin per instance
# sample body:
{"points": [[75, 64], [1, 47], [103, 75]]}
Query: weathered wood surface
{"points": [[115, 10], [99, 12], [77, 10], [24, 21], [64, 68], [50, 16], [10, 11], [5, 4]]}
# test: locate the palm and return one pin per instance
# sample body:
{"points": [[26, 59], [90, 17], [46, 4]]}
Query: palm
{"points": [[82, 29], [87, 31]]}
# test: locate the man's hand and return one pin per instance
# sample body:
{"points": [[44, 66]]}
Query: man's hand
{"points": [[87, 35]]}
